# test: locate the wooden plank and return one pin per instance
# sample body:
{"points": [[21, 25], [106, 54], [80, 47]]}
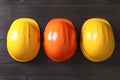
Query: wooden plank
{"points": [[59, 11], [38, 77], [13, 77], [3, 33], [58, 2], [55, 69], [88, 77]]}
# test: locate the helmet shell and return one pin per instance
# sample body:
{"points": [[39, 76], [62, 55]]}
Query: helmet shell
{"points": [[97, 39], [59, 39], [23, 39]]}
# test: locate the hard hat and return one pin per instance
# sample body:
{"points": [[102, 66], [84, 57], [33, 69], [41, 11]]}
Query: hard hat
{"points": [[97, 39], [23, 39], [59, 39]]}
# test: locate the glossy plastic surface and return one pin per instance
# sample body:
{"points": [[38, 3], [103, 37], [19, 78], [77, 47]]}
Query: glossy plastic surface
{"points": [[23, 39], [60, 39], [97, 39]]}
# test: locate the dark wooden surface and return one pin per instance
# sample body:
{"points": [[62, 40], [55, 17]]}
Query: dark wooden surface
{"points": [[77, 68]]}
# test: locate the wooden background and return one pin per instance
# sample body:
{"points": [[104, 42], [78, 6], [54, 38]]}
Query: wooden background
{"points": [[42, 68]]}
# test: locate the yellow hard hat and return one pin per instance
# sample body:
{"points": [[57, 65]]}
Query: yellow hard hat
{"points": [[97, 39], [23, 39]]}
